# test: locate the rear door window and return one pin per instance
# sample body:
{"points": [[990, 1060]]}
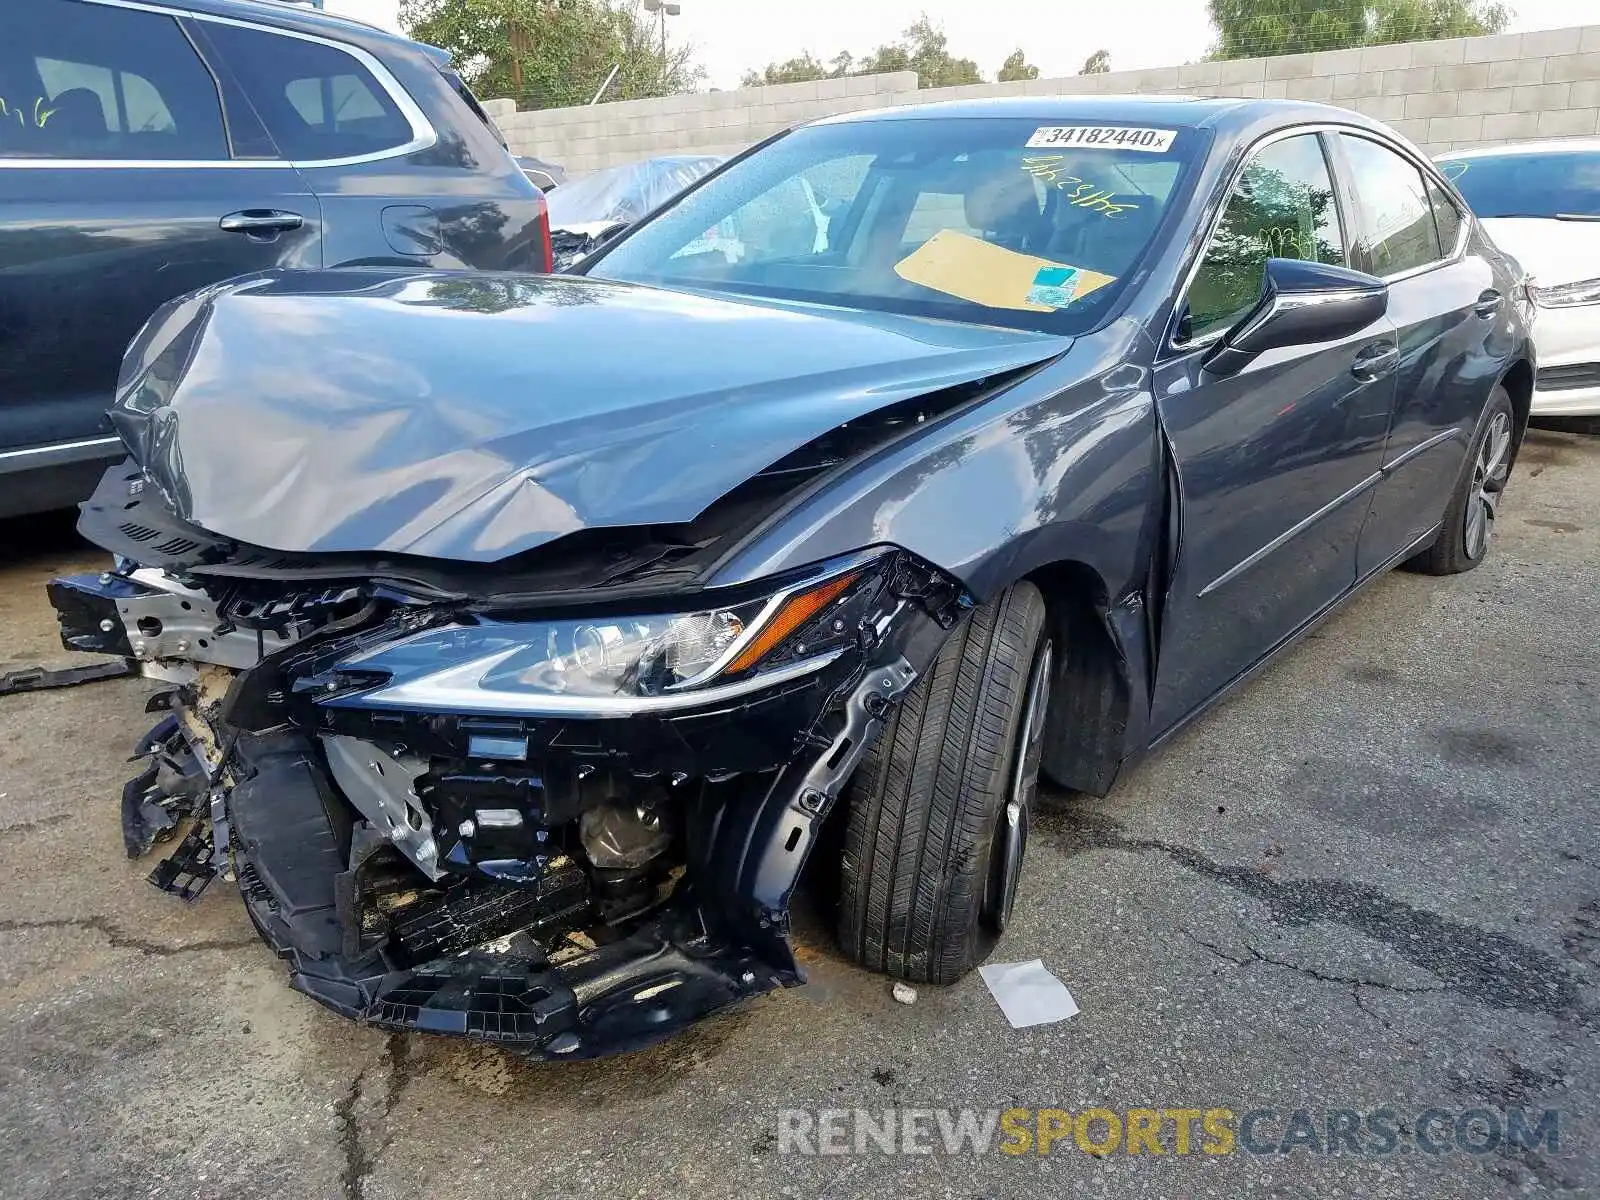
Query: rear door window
{"points": [[80, 81], [1397, 229], [1446, 216], [317, 101]]}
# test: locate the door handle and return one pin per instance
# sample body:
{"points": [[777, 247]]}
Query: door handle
{"points": [[1488, 304], [261, 222], [1375, 361]]}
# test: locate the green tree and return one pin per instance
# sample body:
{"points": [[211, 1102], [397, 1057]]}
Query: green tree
{"points": [[1425, 20], [1097, 63], [923, 48], [552, 53], [795, 70], [1017, 67], [1253, 28]]}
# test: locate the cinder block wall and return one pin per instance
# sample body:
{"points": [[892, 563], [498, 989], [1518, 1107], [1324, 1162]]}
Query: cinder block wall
{"points": [[1443, 95], [601, 135]]}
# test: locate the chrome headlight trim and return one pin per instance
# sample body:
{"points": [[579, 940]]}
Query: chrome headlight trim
{"points": [[715, 648], [456, 689]]}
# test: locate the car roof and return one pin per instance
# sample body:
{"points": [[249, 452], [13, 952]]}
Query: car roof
{"points": [[1189, 111], [298, 17], [1547, 146]]}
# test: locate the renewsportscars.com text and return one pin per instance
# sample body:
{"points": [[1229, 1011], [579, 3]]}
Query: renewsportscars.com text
{"points": [[1165, 1131]]}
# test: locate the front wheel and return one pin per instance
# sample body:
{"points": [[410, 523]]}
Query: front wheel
{"points": [[1469, 519], [939, 807]]}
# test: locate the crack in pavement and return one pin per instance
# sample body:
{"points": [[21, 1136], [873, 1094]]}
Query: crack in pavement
{"points": [[359, 1162], [127, 941], [357, 1165], [1257, 956], [38, 824], [1489, 968]]}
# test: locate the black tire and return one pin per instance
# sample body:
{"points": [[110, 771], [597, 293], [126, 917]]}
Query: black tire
{"points": [[923, 892], [1482, 483]]}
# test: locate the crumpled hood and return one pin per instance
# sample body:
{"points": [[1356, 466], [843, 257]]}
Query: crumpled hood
{"points": [[474, 416]]}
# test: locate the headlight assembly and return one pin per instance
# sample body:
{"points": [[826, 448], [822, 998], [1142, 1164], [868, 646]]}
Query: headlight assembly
{"points": [[1567, 295], [614, 666]]}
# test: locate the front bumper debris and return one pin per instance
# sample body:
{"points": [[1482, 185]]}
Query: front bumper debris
{"points": [[37, 679], [621, 880]]}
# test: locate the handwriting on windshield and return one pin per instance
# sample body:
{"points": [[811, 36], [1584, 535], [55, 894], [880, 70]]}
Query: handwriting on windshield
{"points": [[1083, 194], [36, 116]]}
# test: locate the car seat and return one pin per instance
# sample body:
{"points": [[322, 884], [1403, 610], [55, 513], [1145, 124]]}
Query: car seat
{"points": [[1005, 210], [76, 115]]}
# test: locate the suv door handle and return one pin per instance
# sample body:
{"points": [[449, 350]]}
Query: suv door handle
{"points": [[1375, 360], [1488, 304], [261, 222]]}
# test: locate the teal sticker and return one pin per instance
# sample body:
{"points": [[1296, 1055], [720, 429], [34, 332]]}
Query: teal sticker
{"points": [[1054, 287]]}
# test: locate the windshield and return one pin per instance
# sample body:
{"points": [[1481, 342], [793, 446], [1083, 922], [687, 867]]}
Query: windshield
{"points": [[625, 193], [988, 220], [1529, 185]]}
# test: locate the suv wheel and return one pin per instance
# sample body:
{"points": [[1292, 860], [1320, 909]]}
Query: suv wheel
{"points": [[939, 807]]}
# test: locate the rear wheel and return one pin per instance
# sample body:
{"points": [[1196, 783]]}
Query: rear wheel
{"points": [[1469, 520], [939, 808]]}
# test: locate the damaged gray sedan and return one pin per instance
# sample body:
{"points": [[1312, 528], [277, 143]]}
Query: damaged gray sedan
{"points": [[522, 636]]}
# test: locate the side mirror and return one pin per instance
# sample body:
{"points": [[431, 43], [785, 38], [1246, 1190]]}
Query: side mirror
{"points": [[1301, 303]]}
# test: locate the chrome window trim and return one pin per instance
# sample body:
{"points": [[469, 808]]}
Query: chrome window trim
{"points": [[423, 134], [1173, 345]]}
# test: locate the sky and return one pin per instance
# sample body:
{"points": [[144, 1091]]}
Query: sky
{"points": [[731, 36]]}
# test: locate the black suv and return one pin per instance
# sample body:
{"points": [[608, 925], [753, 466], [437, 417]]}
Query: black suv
{"points": [[149, 150]]}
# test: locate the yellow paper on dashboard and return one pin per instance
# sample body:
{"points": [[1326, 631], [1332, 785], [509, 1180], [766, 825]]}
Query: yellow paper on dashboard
{"points": [[980, 272]]}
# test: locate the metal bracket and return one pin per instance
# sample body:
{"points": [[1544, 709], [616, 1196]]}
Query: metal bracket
{"points": [[762, 860]]}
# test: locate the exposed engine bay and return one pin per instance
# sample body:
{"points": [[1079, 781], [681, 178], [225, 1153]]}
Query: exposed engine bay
{"points": [[569, 827]]}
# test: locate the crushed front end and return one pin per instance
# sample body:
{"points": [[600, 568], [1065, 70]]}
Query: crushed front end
{"points": [[564, 819]]}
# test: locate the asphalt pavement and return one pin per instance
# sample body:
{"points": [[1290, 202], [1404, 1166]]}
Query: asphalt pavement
{"points": [[1367, 883]]}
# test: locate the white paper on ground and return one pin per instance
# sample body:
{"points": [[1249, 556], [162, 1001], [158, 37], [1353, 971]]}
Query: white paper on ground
{"points": [[1028, 994]]}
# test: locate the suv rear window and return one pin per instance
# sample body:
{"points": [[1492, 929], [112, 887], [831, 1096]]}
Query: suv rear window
{"points": [[317, 102], [459, 86]]}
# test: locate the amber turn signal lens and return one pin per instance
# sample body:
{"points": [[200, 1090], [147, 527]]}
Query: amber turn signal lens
{"points": [[796, 611]]}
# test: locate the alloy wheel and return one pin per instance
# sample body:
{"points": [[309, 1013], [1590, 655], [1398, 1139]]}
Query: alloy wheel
{"points": [[1011, 838], [1489, 475]]}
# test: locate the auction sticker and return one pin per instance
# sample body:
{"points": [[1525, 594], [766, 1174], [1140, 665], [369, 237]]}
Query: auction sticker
{"points": [[1104, 137], [1054, 287]]}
